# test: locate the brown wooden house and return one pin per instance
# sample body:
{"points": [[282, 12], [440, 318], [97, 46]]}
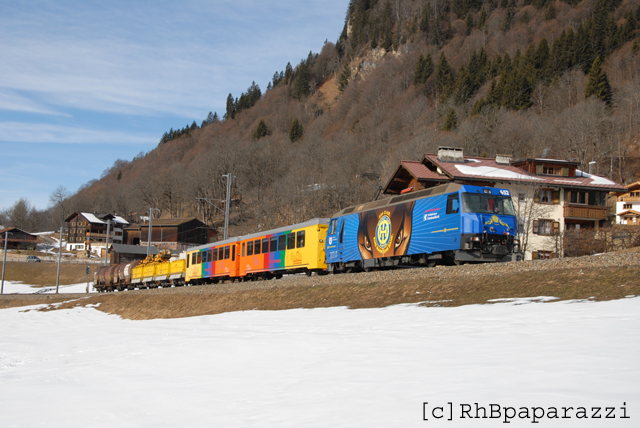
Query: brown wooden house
{"points": [[18, 239], [171, 233]]}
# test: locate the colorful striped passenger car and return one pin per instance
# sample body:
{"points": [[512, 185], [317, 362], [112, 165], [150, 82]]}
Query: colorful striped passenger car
{"points": [[270, 254]]}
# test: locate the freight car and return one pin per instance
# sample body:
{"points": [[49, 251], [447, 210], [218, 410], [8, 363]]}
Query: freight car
{"points": [[451, 223], [154, 271]]}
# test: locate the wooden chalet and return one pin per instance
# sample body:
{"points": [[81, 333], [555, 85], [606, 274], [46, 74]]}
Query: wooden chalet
{"points": [[172, 233], [628, 205], [18, 239], [87, 229]]}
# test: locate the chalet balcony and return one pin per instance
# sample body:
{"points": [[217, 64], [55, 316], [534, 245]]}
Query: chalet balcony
{"points": [[628, 198], [593, 213]]}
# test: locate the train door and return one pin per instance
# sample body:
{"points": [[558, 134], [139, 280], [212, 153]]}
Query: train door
{"points": [[452, 222], [331, 246]]}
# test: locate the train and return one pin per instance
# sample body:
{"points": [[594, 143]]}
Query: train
{"points": [[451, 224]]}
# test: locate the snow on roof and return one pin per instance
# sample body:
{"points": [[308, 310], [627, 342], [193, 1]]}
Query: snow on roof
{"points": [[595, 179], [93, 219], [488, 171]]}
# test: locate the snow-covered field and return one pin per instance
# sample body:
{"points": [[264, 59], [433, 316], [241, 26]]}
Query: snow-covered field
{"points": [[323, 367], [16, 287]]}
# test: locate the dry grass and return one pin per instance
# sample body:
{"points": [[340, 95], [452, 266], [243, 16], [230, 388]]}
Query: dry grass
{"points": [[596, 283], [44, 274]]}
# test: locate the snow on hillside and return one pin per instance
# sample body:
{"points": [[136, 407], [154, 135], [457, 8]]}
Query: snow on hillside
{"points": [[321, 367]]}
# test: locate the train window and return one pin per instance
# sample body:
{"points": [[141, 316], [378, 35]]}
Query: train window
{"points": [[221, 253], [341, 232], [300, 239], [291, 241], [265, 245], [453, 204], [226, 252], [188, 260], [273, 244], [250, 248], [332, 226], [282, 242], [233, 253], [199, 258], [193, 258], [215, 255], [257, 245], [243, 249]]}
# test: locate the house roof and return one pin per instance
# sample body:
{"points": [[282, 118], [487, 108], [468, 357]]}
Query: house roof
{"points": [[487, 169], [629, 212], [96, 218], [9, 229], [172, 222]]}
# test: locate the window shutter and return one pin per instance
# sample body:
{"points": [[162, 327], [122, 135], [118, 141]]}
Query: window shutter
{"points": [[534, 255], [556, 228], [539, 169], [536, 225], [556, 196], [565, 172]]}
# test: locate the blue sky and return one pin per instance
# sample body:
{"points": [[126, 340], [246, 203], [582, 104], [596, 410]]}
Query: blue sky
{"points": [[83, 83]]}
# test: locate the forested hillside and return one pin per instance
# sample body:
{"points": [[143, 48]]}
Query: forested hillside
{"points": [[541, 78]]}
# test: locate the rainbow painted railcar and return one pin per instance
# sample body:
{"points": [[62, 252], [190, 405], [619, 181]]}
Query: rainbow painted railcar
{"points": [[451, 223], [298, 248]]}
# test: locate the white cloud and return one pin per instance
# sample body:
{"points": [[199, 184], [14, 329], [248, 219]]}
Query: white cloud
{"points": [[19, 132]]}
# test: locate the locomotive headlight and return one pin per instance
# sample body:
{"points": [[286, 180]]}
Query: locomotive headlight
{"points": [[476, 239]]}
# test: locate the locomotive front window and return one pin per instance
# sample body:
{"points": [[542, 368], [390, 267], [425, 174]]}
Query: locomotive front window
{"points": [[332, 226], [487, 204]]}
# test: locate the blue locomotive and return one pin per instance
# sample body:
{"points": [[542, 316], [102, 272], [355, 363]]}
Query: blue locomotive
{"points": [[452, 223]]}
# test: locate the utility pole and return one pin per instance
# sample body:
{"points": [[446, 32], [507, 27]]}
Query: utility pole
{"points": [[4, 261], [151, 210], [106, 248], [59, 257], [226, 207]]}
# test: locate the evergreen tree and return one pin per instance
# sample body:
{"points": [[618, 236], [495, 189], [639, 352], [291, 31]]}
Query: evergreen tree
{"points": [[303, 77], [288, 73], [231, 108], [598, 85], [508, 17], [444, 78], [550, 13], [343, 81], [296, 131], [424, 70], [451, 120], [261, 130], [483, 19]]}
